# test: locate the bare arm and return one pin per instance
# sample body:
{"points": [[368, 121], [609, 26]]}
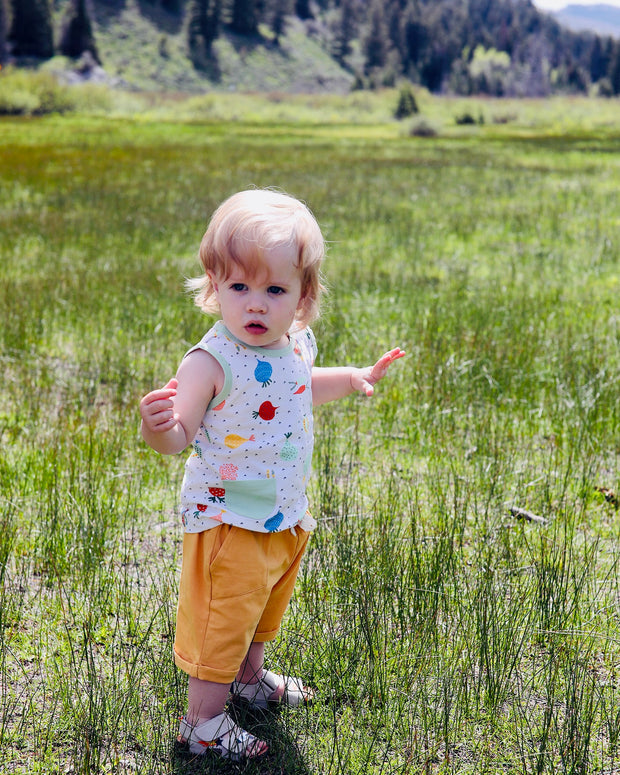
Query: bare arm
{"points": [[171, 415], [330, 384]]}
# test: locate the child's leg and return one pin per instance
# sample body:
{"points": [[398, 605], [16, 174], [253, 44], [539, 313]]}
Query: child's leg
{"points": [[251, 670], [275, 688], [205, 699], [252, 666]]}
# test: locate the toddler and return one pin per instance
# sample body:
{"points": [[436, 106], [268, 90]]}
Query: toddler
{"points": [[242, 398]]}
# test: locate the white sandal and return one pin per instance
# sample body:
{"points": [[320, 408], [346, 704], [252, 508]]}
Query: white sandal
{"points": [[260, 693], [222, 736]]}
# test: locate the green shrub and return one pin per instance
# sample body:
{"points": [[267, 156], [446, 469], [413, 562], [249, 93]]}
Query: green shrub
{"points": [[407, 105], [422, 128], [30, 93], [604, 88], [464, 119]]}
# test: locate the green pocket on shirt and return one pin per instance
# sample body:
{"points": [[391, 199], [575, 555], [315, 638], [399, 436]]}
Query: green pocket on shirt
{"points": [[255, 499]]}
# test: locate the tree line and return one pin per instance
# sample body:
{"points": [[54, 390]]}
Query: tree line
{"points": [[496, 47]]}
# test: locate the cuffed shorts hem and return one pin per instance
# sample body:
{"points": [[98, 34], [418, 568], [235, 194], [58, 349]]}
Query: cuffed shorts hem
{"points": [[203, 672], [235, 587], [264, 637]]}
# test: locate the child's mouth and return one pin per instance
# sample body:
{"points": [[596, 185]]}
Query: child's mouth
{"points": [[256, 328]]}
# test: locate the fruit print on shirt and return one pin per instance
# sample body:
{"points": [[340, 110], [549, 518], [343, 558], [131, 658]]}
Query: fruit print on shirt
{"points": [[263, 372], [289, 450], [253, 469], [266, 411]]}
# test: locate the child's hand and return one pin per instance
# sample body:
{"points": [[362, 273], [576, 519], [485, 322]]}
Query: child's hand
{"points": [[157, 408], [364, 380]]}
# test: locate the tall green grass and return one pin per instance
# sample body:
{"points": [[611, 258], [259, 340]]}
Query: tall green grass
{"points": [[443, 634]]}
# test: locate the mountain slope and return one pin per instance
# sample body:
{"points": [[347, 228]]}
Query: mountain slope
{"points": [[145, 48], [496, 47], [602, 19]]}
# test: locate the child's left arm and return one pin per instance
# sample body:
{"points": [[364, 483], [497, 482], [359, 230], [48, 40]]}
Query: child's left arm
{"points": [[330, 384]]}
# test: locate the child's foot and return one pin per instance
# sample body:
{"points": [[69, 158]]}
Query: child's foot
{"points": [[273, 689], [222, 736]]}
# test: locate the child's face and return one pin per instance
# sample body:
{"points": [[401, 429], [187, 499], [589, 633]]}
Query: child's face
{"points": [[260, 310]]}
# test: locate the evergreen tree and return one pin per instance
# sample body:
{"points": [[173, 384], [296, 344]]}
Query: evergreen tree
{"points": [[407, 104], [280, 9], [394, 13], [345, 30], [302, 9], [77, 33], [614, 68], [415, 37], [31, 32], [245, 17], [172, 6], [202, 29], [599, 59], [376, 42], [4, 49]]}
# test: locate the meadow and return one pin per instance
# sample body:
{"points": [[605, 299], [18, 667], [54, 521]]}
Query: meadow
{"points": [[444, 632]]}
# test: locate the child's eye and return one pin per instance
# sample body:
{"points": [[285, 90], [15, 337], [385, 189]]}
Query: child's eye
{"points": [[275, 290], [238, 287]]}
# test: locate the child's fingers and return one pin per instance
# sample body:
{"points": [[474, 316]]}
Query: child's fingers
{"points": [[162, 394], [157, 408], [385, 361], [162, 405], [165, 425], [160, 418], [392, 355]]}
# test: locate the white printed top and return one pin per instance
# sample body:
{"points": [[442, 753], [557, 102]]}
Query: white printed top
{"points": [[252, 454]]}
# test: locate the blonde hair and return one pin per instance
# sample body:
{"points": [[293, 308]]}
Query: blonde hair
{"points": [[243, 228]]}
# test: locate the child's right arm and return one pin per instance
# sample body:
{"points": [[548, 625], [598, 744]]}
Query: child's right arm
{"points": [[172, 415]]}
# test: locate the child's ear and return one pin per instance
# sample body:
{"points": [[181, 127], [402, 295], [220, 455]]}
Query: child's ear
{"points": [[213, 283]]}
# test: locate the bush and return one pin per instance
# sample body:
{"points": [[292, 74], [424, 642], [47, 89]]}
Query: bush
{"points": [[604, 88], [422, 129], [407, 106], [30, 93], [465, 119]]}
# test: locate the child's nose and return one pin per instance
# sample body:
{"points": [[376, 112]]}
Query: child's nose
{"points": [[257, 302]]}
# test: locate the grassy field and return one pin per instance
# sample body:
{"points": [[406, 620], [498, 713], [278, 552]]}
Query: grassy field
{"points": [[443, 633]]}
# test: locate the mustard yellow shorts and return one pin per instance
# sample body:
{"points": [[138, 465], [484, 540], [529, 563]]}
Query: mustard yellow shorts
{"points": [[235, 587]]}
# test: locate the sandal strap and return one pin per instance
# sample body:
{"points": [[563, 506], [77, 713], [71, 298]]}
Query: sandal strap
{"points": [[219, 734], [259, 693]]}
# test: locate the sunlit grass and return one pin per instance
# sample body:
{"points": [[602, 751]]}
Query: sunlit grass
{"points": [[443, 634]]}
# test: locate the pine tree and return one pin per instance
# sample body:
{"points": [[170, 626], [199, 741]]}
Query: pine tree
{"points": [[245, 17], [345, 31], [4, 50], [172, 6], [614, 69], [376, 41], [77, 32], [202, 29], [407, 105], [31, 32], [302, 9], [280, 9], [415, 37], [600, 57]]}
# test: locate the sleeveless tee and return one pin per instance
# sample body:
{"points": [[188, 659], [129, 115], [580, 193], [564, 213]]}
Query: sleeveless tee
{"points": [[251, 456]]}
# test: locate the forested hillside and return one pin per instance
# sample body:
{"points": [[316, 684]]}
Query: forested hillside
{"points": [[496, 47]]}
